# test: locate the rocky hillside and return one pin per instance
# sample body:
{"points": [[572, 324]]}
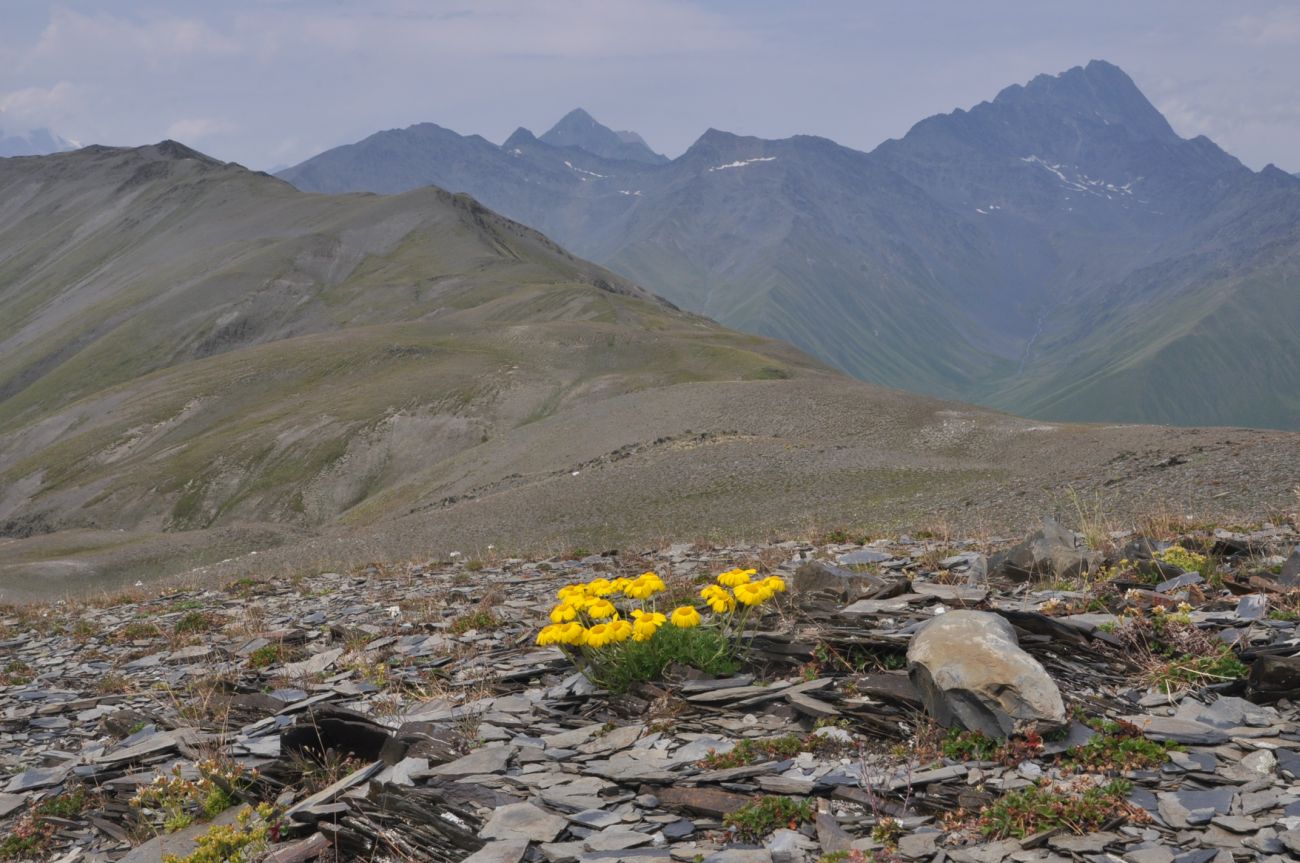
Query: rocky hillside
{"points": [[1058, 251], [1141, 707]]}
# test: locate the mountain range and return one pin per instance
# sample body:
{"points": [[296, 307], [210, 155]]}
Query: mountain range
{"points": [[199, 363], [1058, 251]]}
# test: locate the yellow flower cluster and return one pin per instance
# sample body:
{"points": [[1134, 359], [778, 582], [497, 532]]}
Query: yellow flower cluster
{"points": [[587, 614], [583, 604], [744, 590]]}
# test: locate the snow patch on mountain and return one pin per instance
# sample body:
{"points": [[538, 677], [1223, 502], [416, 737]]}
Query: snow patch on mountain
{"points": [[743, 163]]}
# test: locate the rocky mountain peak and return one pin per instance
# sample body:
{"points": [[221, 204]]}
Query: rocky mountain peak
{"points": [[579, 129]]}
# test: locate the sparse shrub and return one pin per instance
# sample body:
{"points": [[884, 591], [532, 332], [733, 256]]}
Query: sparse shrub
{"points": [[755, 820], [474, 565]]}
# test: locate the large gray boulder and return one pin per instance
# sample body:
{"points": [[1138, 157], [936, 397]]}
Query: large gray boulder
{"points": [[1052, 551], [971, 672]]}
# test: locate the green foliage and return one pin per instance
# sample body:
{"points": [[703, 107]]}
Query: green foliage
{"points": [[1116, 748], [69, 804], [707, 649], [1201, 670], [962, 745], [241, 842], [173, 801], [267, 654], [755, 820], [751, 751], [1049, 807]]}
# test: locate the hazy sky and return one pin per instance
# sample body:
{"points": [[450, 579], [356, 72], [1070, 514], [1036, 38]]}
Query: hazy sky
{"points": [[268, 82]]}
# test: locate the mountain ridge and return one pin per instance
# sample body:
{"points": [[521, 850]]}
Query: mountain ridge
{"points": [[973, 258]]}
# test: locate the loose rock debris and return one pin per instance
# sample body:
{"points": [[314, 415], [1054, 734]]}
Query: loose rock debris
{"points": [[408, 715]]}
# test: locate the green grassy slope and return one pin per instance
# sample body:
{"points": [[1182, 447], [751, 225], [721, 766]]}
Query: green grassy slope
{"points": [[191, 344]]}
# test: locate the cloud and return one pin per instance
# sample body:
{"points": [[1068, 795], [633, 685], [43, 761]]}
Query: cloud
{"points": [[1279, 26], [198, 129], [41, 107]]}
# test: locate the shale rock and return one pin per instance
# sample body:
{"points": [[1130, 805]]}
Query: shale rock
{"points": [[845, 584], [1052, 551], [970, 671]]}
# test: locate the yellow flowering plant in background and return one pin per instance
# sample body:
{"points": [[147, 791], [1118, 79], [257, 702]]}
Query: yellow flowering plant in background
{"points": [[615, 633]]}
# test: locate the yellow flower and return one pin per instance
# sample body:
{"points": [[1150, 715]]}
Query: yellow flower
{"points": [[563, 613], [653, 616], [598, 635], [774, 583], [599, 587], [549, 635], [751, 594], [619, 585], [735, 577], [685, 617], [573, 633], [718, 598], [601, 609], [644, 629], [619, 630], [571, 592], [645, 586]]}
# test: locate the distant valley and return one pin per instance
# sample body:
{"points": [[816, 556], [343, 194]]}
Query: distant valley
{"points": [[1058, 252]]}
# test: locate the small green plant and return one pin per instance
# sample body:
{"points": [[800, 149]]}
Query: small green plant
{"points": [[1117, 747], [961, 745], [242, 842], [887, 832], [69, 804], [1072, 805], [480, 620], [755, 820], [474, 565], [1201, 670], [267, 654]]}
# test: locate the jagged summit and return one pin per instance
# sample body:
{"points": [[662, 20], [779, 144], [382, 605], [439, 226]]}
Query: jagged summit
{"points": [[579, 129]]}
